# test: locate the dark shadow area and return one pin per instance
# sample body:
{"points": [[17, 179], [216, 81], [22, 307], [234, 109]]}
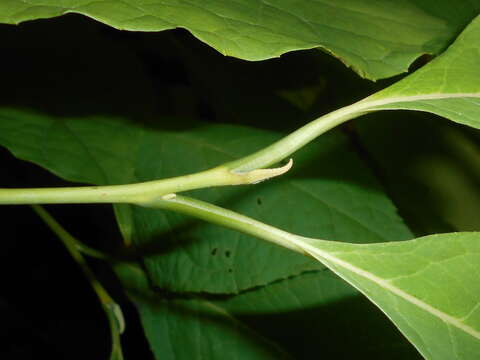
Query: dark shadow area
{"points": [[63, 67], [428, 166], [331, 332], [47, 307], [71, 66]]}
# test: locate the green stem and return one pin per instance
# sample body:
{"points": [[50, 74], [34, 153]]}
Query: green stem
{"points": [[227, 218], [116, 193], [72, 246], [299, 138], [67, 238], [87, 250], [248, 170], [140, 192], [111, 308]]}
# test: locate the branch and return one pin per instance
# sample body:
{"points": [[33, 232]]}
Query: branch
{"points": [[248, 170], [227, 218]]}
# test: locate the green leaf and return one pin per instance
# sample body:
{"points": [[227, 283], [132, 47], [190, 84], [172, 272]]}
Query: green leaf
{"points": [[429, 287], [185, 255], [448, 86], [311, 313], [378, 39], [179, 328]]}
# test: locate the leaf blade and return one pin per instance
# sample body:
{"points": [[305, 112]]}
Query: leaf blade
{"points": [[353, 31], [448, 86], [291, 317], [429, 314]]}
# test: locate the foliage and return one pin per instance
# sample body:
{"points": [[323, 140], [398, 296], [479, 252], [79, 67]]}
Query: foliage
{"points": [[204, 290], [260, 30]]}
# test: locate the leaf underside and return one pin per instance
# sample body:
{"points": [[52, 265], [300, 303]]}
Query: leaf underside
{"points": [[448, 86], [429, 287], [377, 39], [288, 319]]}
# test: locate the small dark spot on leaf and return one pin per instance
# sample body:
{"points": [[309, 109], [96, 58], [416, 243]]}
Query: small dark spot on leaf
{"points": [[230, 270], [259, 201], [227, 253], [214, 251]]}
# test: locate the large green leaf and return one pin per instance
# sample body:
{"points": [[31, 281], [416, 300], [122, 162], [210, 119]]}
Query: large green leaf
{"points": [[449, 86], [377, 38], [184, 255], [312, 313], [429, 287]]}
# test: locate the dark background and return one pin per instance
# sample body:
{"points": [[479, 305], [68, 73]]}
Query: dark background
{"points": [[73, 66]]}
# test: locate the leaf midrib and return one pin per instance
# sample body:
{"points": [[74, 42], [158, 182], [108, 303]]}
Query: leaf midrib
{"points": [[448, 319], [369, 104]]}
